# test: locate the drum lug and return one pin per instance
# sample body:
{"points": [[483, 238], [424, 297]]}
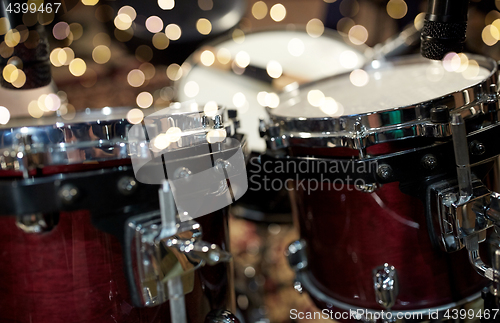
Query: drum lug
{"points": [[386, 285], [34, 223], [152, 260]]}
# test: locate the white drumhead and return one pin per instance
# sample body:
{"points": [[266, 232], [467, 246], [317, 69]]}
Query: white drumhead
{"points": [[379, 88], [319, 57]]}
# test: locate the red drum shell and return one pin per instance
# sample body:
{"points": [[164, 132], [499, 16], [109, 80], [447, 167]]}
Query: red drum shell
{"points": [[75, 273], [349, 233]]}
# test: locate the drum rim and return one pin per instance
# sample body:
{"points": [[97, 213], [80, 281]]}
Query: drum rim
{"points": [[358, 132], [27, 152]]}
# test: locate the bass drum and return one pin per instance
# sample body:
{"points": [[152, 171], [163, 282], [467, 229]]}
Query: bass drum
{"points": [[68, 196]]}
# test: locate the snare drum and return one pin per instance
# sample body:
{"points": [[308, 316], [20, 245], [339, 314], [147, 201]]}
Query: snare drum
{"points": [[70, 218], [300, 55], [360, 152]]}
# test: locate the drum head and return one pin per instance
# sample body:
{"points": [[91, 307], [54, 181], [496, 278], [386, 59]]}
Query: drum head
{"points": [[387, 100], [381, 86], [299, 54]]}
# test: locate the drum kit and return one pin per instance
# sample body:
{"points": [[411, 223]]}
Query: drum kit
{"points": [[389, 166]]}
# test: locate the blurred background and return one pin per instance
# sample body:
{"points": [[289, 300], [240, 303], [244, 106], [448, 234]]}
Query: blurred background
{"points": [[129, 53]]}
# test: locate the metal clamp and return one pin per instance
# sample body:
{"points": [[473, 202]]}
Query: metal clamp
{"points": [[152, 260]]}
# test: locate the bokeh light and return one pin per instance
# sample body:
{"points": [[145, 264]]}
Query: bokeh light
{"points": [[397, 9], [259, 10], [12, 38], [242, 59], [296, 47], [123, 21], [315, 28], [144, 100], [160, 41], [77, 67], [274, 69], [154, 24], [174, 72], [166, 4], [359, 78], [211, 108], [135, 116], [238, 36], [4, 115], [136, 78], [315, 98], [223, 55], [207, 58], [358, 35], [61, 30], [101, 54], [277, 12], [129, 11], [173, 32], [191, 89], [204, 26]]}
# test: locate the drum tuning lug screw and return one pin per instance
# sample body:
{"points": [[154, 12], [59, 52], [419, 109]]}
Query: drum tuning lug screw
{"points": [[298, 286], [204, 121], [384, 171], [477, 148], [127, 185], [429, 162], [218, 122], [68, 193]]}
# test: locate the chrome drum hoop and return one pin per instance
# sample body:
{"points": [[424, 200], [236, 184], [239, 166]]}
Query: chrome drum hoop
{"points": [[26, 144], [359, 131]]}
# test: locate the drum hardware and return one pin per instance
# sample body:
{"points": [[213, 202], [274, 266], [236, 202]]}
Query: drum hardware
{"points": [[127, 185], [409, 162], [386, 285], [221, 316], [291, 127], [306, 282], [163, 254], [33, 223]]}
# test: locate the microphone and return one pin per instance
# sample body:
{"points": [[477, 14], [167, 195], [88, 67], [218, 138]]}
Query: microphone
{"points": [[444, 28]]}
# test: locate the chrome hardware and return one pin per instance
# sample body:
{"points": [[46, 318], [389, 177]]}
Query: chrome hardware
{"points": [[298, 286], [458, 218], [477, 148], [296, 255], [98, 135], [367, 188], [384, 171], [414, 120], [429, 162], [159, 260], [156, 255], [306, 281], [386, 285], [182, 172], [127, 185], [68, 193], [218, 124], [32, 223], [221, 316]]}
